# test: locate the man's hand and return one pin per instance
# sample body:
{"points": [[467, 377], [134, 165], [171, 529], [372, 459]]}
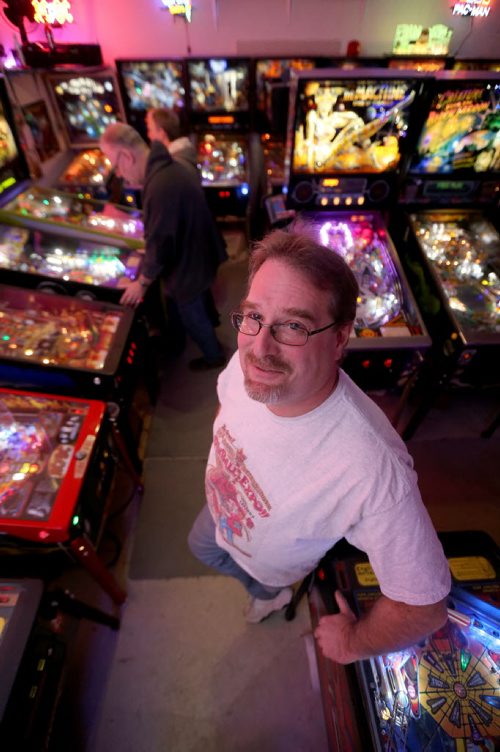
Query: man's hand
{"points": [[133, 294], [334, 632]]}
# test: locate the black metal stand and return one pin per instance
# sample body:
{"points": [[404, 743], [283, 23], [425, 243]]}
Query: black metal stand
{"points": [[490, 430], [125, 444], [62, 600], [303, 588]]}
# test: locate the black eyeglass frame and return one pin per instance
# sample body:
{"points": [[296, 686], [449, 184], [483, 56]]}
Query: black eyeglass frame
{"points": [[271, 327]]}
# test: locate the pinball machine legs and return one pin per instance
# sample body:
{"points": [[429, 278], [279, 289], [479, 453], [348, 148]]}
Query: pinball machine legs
{"points": [[86, 555], [62, 600], [304, 588], [422, 390], [491, 428], [434, 379], [318, 578], [125, 444]]}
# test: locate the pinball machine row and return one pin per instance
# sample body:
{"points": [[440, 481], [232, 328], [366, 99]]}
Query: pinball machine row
{"points": [[76, 338]]}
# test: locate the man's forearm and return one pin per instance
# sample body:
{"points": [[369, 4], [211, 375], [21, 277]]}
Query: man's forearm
{"points": [[388, 626], [391, 625]]}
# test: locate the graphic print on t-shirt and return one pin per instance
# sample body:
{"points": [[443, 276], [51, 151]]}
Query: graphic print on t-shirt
{"points": [[234, 497]]}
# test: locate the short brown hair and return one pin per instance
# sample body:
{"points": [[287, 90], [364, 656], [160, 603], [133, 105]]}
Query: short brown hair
{"points": [[325, 269], [168, 121]]}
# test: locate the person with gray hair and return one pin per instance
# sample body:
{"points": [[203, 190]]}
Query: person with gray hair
{"points": [[182, 243], [164, 125], [302, 458]]}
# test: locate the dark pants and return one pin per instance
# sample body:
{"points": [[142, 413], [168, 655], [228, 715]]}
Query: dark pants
{"points": [[196, 321], [203, 546]]}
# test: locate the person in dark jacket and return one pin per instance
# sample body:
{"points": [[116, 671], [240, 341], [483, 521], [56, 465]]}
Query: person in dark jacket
{"points": [[183, 244], [164, 125]]}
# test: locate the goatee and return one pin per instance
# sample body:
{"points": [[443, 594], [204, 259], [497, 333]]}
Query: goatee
{"points": [[266, 393]]}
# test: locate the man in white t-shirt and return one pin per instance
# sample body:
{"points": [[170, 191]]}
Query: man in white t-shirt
{"points": [[301, 458]]}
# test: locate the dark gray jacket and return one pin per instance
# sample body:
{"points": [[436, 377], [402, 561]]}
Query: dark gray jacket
{"points": [[183, 243]]}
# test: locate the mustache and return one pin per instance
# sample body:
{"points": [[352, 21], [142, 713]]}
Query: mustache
{"points": [[268, 361]]}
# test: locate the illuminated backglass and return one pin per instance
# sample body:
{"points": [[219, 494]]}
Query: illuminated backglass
{"points": [[13, 167], [219, 85], [88, 103], [346, 126], [152, 83], [462, 130]]}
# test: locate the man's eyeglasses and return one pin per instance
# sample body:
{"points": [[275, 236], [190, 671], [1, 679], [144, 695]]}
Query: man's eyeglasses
{"points": [[289, 333]]}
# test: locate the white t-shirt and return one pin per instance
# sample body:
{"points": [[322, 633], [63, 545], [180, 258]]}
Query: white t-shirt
{"points": [[283, 491]]}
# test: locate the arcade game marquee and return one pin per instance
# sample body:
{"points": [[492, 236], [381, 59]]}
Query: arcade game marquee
{"points": [[151, 83], [451, 245], [421, 48], [56, 478], [441, 694], [228, 153], [350, 134]]}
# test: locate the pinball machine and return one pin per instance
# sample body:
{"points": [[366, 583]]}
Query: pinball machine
{"points": [[151, 83], [63, 343], [37, 207], [56, 479], [32, 659], [19, 602], [66, 265], [349, 137], [86, 102], [441, 694], [229, 154], [272, 90], [448, 236]]}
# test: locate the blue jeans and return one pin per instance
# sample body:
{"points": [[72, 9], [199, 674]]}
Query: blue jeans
{"points": [[198, 325], [201, 541]]}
